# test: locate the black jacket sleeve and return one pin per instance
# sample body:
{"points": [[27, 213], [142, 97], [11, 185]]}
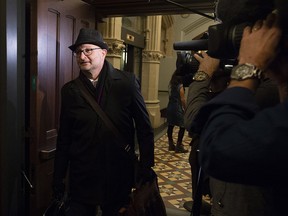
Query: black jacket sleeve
{"points": [[241, 144]]}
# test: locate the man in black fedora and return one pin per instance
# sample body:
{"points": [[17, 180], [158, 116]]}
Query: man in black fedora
{"points": [[100, 171]]}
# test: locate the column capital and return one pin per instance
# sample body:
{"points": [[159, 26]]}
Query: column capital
{"points": [[115, 46], [152, 55]]}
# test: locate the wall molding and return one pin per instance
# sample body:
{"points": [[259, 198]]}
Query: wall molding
{"points": [[195, 25]]}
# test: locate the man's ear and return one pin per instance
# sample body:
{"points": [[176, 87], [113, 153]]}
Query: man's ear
{"points": [[104, 52]]}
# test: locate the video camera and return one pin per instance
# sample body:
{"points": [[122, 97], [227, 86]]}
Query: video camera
{"points": [[190, 64], [224, 39]]}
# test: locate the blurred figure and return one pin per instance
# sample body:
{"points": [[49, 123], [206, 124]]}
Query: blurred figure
{"points": [[238, 142], [175, 110], [227, 198], [207, 82]]}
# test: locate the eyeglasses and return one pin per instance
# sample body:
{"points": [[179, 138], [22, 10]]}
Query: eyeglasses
{"points": [[86, 52]]}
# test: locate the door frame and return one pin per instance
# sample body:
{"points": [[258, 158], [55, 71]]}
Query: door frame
{"points": [[12, 112]]}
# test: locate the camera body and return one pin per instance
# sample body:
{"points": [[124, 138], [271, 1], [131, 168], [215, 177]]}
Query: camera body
{"points": [[190, 66], [224, 41], [224, 38]]}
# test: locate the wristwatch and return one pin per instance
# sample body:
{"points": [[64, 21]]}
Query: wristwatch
{"points": [[200, 76], [246, 71]]}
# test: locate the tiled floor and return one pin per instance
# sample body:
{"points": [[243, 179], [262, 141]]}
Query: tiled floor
{"points": [[174, 173]]}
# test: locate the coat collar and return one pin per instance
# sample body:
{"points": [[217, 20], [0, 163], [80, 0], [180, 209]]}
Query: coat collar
{"points": [[111, 71], [110, 76], [106, 79]]}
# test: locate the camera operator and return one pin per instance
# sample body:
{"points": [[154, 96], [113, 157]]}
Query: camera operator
{"points": [[227, 198], [199, 93], [239, 143]]}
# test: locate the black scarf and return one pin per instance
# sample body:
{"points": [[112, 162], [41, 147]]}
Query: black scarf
{"points": [[98, 91]]}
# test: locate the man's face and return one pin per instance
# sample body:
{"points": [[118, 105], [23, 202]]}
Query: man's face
{"points": [[90, 57]]}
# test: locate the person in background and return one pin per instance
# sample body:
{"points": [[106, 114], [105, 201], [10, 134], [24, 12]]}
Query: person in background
{"points": [[100, 171], [239, 143], [175, 110], [204, 86]]}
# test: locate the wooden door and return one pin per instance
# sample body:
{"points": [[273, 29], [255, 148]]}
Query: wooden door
{"points": [[54, 26]]}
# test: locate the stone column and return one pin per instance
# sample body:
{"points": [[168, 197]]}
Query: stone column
{"points": [[150, 68], [111, 31]]}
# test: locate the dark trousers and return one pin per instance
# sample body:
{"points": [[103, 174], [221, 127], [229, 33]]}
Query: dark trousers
{"points": [[195, 168], [180, 133], [193, 161]]}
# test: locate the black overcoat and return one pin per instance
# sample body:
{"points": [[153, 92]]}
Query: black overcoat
{"points": [[99, 170]]}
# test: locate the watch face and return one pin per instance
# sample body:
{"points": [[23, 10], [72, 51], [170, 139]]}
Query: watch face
{"points": [[245, 71], [200, 76]]}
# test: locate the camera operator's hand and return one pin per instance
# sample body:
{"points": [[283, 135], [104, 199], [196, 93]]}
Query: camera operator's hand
{"points": [[207, 64], [259, 44]]}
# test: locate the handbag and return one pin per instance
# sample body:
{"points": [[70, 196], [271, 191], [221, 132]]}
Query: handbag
{"points": [[145, 198]]}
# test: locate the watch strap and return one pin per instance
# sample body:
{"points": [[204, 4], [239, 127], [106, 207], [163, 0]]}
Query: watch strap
{"points": [[200, 76], [254, 72]]}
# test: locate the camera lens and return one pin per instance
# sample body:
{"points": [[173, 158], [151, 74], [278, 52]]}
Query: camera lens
{"points": [[235, 36]]}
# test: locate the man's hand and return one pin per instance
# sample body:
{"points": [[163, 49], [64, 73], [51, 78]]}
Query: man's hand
{"points": [[207, 64], [259, 44]]}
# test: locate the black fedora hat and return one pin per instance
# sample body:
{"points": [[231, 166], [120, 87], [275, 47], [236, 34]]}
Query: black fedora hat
{"points": [[89, 36]]}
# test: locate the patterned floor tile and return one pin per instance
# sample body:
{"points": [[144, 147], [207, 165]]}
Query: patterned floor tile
{"points": [[174, 173]]}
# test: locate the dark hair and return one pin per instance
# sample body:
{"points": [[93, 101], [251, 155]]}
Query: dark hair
{"points": [[176, 78]]}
